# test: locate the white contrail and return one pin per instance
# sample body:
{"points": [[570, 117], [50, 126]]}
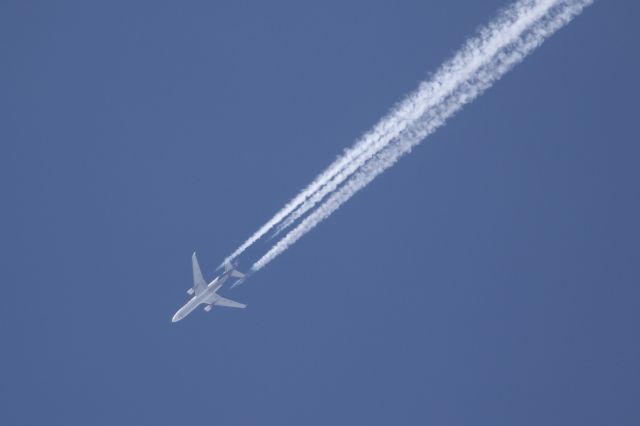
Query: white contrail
{"points": [[562, 12], [491, 39], [502, 31]]}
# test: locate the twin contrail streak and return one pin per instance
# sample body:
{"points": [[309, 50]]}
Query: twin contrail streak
{"points": [[474, 54], [481, 62], [429, 93]]}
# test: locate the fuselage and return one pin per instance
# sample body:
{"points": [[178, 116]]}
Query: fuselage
{"points": [[204, 297], [187, 308]]}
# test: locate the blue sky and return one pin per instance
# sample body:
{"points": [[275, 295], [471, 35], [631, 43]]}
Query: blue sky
{"points": [[489, 278]]}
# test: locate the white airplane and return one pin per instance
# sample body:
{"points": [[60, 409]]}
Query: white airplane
{"points": [[203, 293]]}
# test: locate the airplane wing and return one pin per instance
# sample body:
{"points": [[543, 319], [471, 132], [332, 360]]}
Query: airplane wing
{"points": [[221, 301], [199, 284]]}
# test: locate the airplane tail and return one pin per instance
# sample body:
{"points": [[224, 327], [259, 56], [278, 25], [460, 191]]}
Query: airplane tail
{"points": [[231, 267]]}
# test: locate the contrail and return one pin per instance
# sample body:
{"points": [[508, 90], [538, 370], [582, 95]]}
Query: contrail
{"points": [[502, 31], [526, 39], [509, 23]]}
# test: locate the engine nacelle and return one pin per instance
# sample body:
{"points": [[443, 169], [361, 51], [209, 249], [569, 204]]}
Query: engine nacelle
{"points": [[190, 292], [207, 308]]}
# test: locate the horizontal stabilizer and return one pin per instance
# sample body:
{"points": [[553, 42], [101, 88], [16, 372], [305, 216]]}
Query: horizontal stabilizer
{"points": [[228, 265]]}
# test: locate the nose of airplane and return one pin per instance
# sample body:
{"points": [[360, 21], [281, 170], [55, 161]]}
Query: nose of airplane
{"points": [[175, 318]]}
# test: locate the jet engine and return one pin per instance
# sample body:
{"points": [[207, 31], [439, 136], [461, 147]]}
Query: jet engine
{"points": [[190, 292], [207, 308]]}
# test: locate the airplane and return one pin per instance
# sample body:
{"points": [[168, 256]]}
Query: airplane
{"points": [[203, 293]]}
